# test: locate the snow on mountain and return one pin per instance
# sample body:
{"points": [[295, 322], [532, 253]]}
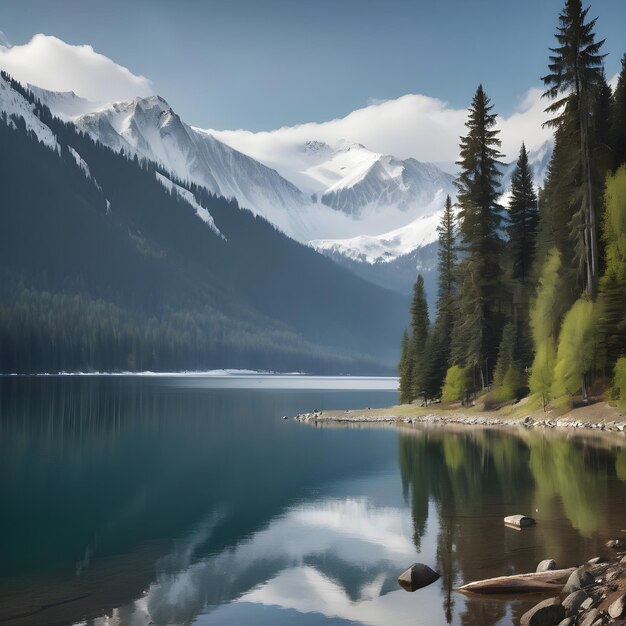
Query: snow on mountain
{"points": [[65, 104], [389, 246], [13, 103], [186, 195], [149, 128]]}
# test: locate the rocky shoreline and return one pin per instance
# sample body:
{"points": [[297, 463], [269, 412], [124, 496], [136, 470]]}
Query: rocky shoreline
{"points": [[594, 595], [600, 417]]}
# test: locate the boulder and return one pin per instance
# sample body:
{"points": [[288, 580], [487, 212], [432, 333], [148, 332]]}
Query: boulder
{"points": [[572, 602], [417, 576], [578, 579], [546, 565], [547, 613], [521, 521], [617, 608]]}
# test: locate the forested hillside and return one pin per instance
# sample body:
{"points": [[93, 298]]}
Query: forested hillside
{"points": [[532, 297], [105, 267]]}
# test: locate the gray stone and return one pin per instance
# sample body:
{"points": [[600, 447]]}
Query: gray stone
{"points": [[546, 565], [520, 521], [595, 560], [616, 544], [574, 600], [617, 607], [417, 576], [578, 579], [590, 618], [587, 604], [546, 613]]}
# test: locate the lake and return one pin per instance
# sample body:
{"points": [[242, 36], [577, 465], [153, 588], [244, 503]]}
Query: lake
{"points": [[135, 500]]}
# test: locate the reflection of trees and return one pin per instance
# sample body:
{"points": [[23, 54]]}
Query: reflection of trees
{"points": [[475, 477]]}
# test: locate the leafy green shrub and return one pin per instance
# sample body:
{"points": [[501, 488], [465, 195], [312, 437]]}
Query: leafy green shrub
{"points": [[576, 350], [618, 390], [545, 314], [456, 384]]}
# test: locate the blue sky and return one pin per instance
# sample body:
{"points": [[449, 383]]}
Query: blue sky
{"points": [[264, 64]]}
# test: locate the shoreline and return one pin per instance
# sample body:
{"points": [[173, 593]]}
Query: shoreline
{"points": [[599, 416]]}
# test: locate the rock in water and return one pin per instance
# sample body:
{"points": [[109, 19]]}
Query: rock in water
{"points": [[417, 576], [616, 544], [546, 613], [578, 579], [521, 521], [617, 608], [546, 565]]}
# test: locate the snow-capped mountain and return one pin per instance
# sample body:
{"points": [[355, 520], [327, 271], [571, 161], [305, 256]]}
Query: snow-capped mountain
{"points": [[328, 192]]}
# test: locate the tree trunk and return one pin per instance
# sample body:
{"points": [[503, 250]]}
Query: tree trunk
{"points": [[551, 581]]}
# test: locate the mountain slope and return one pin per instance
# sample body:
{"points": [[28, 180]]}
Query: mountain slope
{"points": [[110, 237]]}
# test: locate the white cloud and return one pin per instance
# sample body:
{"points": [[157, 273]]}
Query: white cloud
{"points": [[413, 125], [49, 62]]}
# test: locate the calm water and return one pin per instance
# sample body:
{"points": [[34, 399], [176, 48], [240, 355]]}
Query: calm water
{"points": [[183, 500]]}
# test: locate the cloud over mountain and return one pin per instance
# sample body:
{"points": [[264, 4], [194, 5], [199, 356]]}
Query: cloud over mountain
{"points": [[51, 63]]}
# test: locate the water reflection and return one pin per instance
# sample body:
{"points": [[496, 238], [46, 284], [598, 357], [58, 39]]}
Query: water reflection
{"points": [[136, 501], [569, 483]]}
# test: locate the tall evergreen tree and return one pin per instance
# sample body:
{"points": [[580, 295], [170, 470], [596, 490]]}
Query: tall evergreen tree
{"points": [[478, 324], [439, 340], [618, 118], [575, 72], [419, 327], [523, 222], [405, 369], [523, 218]]}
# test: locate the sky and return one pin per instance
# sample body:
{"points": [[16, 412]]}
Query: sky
{"points": [[261, 65]]}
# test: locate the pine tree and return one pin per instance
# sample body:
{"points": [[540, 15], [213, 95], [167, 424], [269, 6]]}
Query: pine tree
{"points": [[404, 369], [478, 324], [523, 222], [575, 72], [439, 340], [618, 119], [419, 327], [523, 218]]}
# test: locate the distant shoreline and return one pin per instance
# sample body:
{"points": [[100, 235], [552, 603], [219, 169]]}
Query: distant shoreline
{"points": [[599, 416]]}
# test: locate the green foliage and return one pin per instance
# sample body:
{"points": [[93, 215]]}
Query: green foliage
{"points": [[576, 350], [456, 384], [618, 389], [545, 316], [613, 282], [508, 378]]}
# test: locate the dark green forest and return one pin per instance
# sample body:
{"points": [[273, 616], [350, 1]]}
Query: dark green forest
{"points": [[532, 297], [114, 272]]}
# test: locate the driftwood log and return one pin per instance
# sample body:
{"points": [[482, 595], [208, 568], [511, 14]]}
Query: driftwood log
{"points": [[534, 582]]}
